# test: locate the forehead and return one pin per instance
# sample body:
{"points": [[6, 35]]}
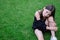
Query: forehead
{"points": [[47, 10]]}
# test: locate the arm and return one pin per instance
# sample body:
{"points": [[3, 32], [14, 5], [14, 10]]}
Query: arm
{"points": [[51, 22], [37, 15]]}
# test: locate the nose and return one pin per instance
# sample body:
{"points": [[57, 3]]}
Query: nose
{"points": [[46, 14]]}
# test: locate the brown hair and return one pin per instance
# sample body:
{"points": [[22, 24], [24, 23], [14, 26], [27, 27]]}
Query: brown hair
{"points": [[52, 9]]}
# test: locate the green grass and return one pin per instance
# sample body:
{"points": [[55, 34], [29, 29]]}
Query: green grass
{"points": [[16, 18]]}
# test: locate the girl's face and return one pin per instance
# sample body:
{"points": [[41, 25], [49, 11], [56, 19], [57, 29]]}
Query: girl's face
{"points": [[46, 13]]}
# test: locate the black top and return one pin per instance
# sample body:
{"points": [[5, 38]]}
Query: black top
{"points": [[41, 17], [39, 24]]}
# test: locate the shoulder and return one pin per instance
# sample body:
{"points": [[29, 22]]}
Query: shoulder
{"points": [[37, 12]]}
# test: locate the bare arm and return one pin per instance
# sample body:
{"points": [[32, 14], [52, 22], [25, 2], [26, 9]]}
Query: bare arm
{"points": [[37, 15], [51, 22]]}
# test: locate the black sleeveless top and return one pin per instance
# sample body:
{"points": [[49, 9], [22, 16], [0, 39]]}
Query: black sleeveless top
{"points": [[39, 24], [41, 17]]}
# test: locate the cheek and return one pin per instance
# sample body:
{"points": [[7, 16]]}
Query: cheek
{"points": [[44, 13]]}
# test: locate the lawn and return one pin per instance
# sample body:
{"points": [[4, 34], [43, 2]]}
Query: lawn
{"points": [[16, 18]]}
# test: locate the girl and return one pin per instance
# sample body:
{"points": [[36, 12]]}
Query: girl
{"points": [[43, 21]]}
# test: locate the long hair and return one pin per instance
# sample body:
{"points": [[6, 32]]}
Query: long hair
{"points": [[52, 9]]}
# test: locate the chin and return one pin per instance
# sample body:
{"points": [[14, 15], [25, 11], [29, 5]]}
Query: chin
{"points": [[47, 16]]}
